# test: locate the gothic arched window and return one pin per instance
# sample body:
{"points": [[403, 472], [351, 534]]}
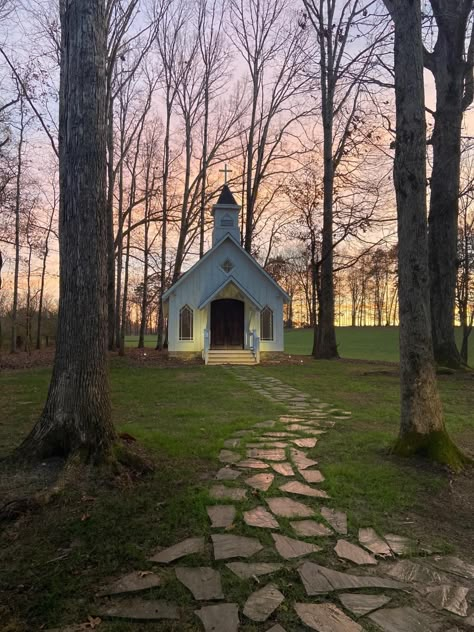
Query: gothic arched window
{"points": [[186, 323], [266, 324]]}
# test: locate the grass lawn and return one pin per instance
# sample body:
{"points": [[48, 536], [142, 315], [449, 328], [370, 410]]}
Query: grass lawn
{"points": [[361, 343], [53, 562]]}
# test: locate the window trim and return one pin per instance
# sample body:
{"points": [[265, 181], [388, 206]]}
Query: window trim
{"points": [[271, 338], [181, 311], [227, 221]]}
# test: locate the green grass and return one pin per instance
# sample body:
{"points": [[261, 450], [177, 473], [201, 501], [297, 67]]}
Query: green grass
{"points": [[361, 343], [182, 416]]}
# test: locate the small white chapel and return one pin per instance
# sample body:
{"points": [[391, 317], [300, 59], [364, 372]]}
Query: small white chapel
{"points": [[226, 308]]}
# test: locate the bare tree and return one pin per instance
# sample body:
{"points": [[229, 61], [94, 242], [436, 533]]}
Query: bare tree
{"points": [[45, 253], [345, 59], [451, 61], [422, 429], [275, 53], [76, 419]]}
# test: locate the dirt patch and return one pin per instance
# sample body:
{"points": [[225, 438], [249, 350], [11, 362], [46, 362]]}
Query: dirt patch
{"points": [[449, 514], [135, 357], [154, 358], [23, 360]]}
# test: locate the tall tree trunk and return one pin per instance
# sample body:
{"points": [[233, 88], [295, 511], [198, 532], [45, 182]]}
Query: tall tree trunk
{"points": [[202, 218], [43, 277], [326, 345], [449, 70], [77, 415], [110, 222], [125, 284], [164, 227], [19, 173], [422, 428], [118, 285], [250, 201]]}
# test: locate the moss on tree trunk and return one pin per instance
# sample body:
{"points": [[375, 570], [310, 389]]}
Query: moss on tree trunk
{"points": [[435, 446]]}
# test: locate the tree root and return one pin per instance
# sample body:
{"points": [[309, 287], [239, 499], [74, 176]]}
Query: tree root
{"points": [[434, 446]]}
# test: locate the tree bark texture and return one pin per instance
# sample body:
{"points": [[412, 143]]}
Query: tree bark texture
{"points": [[77, 415], [448, 66], [421, 424]]}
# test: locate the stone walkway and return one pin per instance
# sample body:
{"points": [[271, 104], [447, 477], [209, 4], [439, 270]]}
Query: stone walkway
{"points": [[382, 581]]}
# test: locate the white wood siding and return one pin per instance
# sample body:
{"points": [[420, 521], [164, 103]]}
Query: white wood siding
{"points": [[201, 282]]}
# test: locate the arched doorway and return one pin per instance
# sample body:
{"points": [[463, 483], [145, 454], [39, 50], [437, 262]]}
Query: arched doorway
{"points": [[227, 324]]}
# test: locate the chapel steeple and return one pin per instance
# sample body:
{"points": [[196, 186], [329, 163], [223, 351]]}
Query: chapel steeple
{"points": [[226, 216]]}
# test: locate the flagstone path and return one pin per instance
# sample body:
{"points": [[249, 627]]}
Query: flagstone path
{"points": [[429, 593]]}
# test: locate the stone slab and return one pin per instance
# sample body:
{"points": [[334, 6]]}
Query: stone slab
{"points": [[279, 435], [272, 454], [295, 487], [454, 566], [260, 605], [221, 492], [337, 519], [260, 517], [399, 544], [202, 581], [228, 456], [360, 604], [305, 443], [133, 582], [219, 618], [347, 551], [289, 548], [450, 598], [227, 474], [300, 459], [181, 549], [326, 617], [247, 570], [139, 610], [369, 539], [310, 529], [312, 476], [289, 508], [276, 628], [412, 572], [232, 443], [260, 481], [221, 516], [265, 424], [319, 580], [227, 546], [253, 464], [406, 619], [284, 469]]}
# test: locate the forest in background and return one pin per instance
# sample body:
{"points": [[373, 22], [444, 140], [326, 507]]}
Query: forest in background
{"points": [[301, 110]]}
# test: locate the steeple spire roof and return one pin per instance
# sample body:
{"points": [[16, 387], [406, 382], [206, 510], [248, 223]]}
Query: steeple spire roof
{"points": [[226, 196]]}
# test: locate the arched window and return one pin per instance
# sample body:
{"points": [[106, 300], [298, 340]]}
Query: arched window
{"points": [[186, 323], [266, 324]]}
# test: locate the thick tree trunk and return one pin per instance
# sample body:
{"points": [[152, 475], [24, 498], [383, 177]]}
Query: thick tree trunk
{"points": [[77, 415], [448, 67], [422, 428]]}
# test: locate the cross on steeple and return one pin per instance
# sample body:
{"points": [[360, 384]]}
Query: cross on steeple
{"points": [[225, 171]]}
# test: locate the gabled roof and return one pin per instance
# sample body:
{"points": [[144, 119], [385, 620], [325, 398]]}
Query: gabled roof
{"points": [[210, 252], [230, 281], [226, 196]]}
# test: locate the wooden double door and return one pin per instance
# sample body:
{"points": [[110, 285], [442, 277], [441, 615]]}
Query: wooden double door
{"points": [[227, 324]]}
